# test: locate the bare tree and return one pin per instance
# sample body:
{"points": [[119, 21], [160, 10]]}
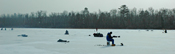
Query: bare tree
{"points": [[113, 13]]}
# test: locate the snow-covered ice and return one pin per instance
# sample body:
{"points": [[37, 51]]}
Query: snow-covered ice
{"points": [[44, 41]]}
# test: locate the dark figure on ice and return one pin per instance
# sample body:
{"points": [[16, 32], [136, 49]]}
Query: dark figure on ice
{"points": [[66, 32], [110, 38], [1, 28], [5, 28], [121, 44], [96, 29], [165, 31], [11, 28]]}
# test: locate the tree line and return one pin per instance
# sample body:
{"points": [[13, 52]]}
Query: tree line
{"points": [[119, 18]]}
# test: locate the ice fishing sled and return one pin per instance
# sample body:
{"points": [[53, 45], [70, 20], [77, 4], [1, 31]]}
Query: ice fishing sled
{"points": [[23, 35], [60, 40], [98, 35]]}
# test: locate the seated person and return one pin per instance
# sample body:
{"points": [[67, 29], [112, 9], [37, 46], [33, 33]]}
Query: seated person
{"points": [[110, 38]]}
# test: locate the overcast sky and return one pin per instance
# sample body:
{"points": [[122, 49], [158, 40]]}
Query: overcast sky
{"points": [[28, 6]]}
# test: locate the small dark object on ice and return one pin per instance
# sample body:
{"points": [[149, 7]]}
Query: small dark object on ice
{"points": [[98, 35], [67, 33], [99, 45], [118, 36], [151, 30], [11, 28], [122, 44], [89, 35], [147, 30], [60, 40], [1, 28], [23, 35]]}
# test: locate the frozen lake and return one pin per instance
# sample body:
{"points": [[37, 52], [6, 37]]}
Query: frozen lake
{"points": [[44, 41]]}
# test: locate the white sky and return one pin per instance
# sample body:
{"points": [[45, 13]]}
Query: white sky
{"points": [[28, 6]]}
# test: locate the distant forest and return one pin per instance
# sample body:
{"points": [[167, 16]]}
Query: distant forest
{"points": [[119, 18]]}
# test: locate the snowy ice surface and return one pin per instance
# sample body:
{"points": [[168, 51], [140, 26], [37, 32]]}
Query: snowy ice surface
{"points": [[44, 41]]}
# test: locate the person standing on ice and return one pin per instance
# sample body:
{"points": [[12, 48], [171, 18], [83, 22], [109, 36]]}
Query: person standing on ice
{"points": [[110, 38], [96, 29]]}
